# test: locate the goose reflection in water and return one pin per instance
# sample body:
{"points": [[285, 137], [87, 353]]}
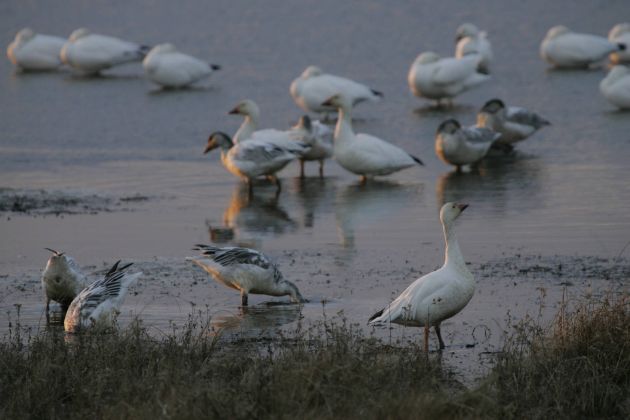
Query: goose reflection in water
{"points": [[314, 194], [361, 206], [497, 183], [251, 321]]}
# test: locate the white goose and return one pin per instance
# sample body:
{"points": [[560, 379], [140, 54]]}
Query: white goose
{"points": [[90, 53], [616, 86], [458, 146], [470, 40], [251, 159], [318, 137], [514, 123], [32, 51], [363, 154], [620, 34], [313, 87], [438, 78], [438, 295], [98, 303], [245, 270], [62, 280], [566, 49], [170, 68]]}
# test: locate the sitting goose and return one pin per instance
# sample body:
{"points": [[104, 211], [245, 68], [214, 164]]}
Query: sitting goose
{"points": [[438, 295], [246, 270], [616, 86], [167, 67], [252, 158], [514, 123], [99, 302], [470, 40], [620, 34], [363, 154], [313, 87], [458, 146], [437, 78], [566, 49], [319, 139], [33, 51], [62, 280], [90, 53]]}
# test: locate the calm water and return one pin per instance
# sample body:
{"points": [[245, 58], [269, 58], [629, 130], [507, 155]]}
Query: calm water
{"points": [[566, 191]]}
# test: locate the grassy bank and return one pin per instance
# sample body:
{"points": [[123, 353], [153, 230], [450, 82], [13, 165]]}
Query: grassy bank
{"points": [[579, 367]]}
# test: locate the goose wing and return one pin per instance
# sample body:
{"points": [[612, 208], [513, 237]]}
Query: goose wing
{"points": [[101, 290], [230, 256], [523, 116], [454, 70]]}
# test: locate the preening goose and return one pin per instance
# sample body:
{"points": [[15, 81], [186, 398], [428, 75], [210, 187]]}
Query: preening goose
{"points": [[62, 280], [33, 51], [438, 295], [616, 86], [458, 146], [362, 154], [318, 137], [167, 67], [470, 40], [245, 270]]}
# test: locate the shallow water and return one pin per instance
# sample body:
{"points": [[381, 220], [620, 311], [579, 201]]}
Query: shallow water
{"points": [[565, 192]]}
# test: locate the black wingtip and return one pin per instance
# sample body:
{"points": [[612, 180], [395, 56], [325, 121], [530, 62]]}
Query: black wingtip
{"points": [[52, 250], [377, 93], [144, 49], [114, 268], [418, 161], [376, 315], [215, 67], [622, 47]]}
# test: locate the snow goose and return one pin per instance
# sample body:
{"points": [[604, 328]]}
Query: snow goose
{"points": [[458, 146], [62, 280], [166, 66], [566, 49], [98, 303], [438, 295], [319, 139], [444, 78], [620, 34], [514, 123], [245, 270], [616, 86], [363, 154], [32, 51], [470, 40], [313, 87], [252, 158], [90, 53]]}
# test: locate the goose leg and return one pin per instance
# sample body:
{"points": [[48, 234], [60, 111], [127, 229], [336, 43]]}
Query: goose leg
{"points": [[321, 168], [243, 298], [439, 335], [426, 338], [47, 311], [302, 168]]}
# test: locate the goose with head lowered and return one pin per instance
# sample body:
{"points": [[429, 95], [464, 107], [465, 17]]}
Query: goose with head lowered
{"points": [[438, 295], [245, 270], [470, 40], [167, 67], [459, 146], [363, 154], [35, 52], [62, 280]]}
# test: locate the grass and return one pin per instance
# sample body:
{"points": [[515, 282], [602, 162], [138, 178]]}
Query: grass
{"points": [[578, 367]]}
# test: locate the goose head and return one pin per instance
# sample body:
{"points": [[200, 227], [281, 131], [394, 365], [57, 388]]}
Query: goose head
{"points": [[57, 265], [163, 48], [465, 30], [450, 212], [246, 107], [292, 290], [218, 139], [312, 71], [493, 106], [556, 31], [25, 35], [450, 126], [618, 30], [427, 57], [78, 34], [338, 101]]}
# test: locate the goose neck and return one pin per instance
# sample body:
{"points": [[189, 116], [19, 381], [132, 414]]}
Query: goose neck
{"points": [[344, 125], [453, 254], [246, 129]]}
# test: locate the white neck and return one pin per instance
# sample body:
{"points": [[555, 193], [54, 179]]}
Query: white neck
{"points": [[246, 129], [453, 255], [343, 130]]}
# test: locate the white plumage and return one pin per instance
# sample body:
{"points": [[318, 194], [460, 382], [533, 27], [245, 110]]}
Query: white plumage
{"points": [[620, 34], [313, 87], [514, 123], [33, 51], [438, 78], [363, 154], [566, 49], [245, 270], [470, 40], [98, 303], [438, 295], [318, 137], [90, 53], [458, 146], [62, 279], [616, 86], [170, 68]]}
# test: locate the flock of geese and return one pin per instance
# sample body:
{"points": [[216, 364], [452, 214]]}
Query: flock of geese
{"points": [[252, 152]]}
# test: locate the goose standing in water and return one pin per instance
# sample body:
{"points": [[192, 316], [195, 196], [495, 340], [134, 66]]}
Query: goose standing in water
{"points": [[616, 86], [438, 78], [167, 67], [98, 303], [245, 270], [62, 280], [470, 40], [362, 154], [33, 51], [514, 123], [458, 146], [90, 53], [318, 137], [313, 87], [566, 49], [620, 34], [438, 295]]}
